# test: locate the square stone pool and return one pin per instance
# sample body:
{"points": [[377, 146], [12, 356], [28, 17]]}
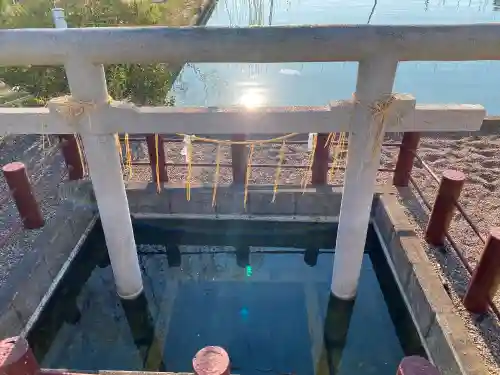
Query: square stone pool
{"points": [[259, 289]]}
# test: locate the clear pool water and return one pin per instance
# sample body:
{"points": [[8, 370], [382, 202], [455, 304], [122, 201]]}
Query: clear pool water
{"points": [[258, 289]]}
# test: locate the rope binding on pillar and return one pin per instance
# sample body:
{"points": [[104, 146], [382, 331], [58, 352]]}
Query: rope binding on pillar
{"points": [[71, 109], [379, 111]]}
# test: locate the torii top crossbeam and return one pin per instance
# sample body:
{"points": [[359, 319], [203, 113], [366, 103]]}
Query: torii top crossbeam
{"points": [[119, 117]]}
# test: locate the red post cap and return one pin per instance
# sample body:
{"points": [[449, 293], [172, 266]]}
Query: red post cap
{"points": [[453, 175], [211, 360], [15, 166], [16, 357], [415, 365]]}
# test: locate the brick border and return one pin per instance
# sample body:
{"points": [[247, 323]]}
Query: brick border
{"points": [[442, 331]]}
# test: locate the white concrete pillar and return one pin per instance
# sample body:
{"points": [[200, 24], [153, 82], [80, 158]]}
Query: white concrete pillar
{"points": [[375, 78], [58, 18], [87, 83]]}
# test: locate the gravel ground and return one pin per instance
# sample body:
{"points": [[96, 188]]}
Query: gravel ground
{"points": [[474, 155], [46, 169]]}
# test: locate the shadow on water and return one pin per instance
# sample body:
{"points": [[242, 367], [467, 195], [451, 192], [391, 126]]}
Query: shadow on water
{"points": [[68, 312], [258, 289], [142, 327]]}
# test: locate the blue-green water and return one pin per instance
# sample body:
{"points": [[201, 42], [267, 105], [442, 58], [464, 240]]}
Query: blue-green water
{"points": [[261, 290], [319, 83]]}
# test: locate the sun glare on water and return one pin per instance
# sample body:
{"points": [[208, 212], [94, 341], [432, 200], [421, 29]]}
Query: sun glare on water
{"points": [[252, 99]]}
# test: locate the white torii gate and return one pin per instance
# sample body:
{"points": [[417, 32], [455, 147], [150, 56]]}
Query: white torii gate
{"points": [[373, 112]]}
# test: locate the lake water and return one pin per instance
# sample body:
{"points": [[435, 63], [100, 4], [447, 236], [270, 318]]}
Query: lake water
{"points": [[319, 83], [261, 290]]}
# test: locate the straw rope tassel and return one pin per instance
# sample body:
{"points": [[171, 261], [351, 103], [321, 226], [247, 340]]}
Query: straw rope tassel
{"points": [[189, 168], [278, 171], [378, 129], [305, 177], [128, 156], [81, 153], [331, 148], [119, 147], [44, 136], [157, 165], [216, 177], [249, 174], [337, 155], [342, 149], [329, 140], [4, 138]]}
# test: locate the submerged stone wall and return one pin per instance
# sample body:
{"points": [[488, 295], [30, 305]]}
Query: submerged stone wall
{"points": [[32, 278], [292, 202]]}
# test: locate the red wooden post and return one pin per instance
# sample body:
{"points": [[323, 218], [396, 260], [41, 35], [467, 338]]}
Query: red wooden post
{"points": [[22, 193], [211, 360], [239, 160], [320, 161], [72, 156], [153, 154], [486, 278], [415, 365], [406, 156], [444, 205], [16, 357]]}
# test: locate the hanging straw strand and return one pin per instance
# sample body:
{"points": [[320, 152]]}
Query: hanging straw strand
{"points": [[128, 155], [157, 164], [330, 139], [278, 171], [81, 152], [119, 147], [43, 141], [338, 151], [189, 169], [379, 112], [217, 172], [249, 173], [308, 172]]}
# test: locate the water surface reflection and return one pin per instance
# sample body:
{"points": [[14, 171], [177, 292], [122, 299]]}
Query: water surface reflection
{"points": [[269, 306], [319, 83]]}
